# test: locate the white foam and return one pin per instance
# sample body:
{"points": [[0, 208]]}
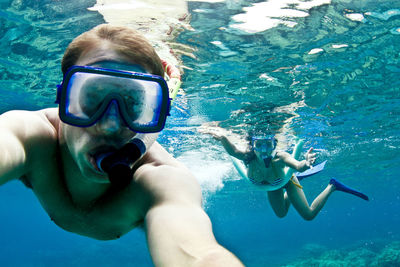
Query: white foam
{"points": [[207, 1], [226, 52], [270, 79], [118, 6], [209, 171], [158, 20], [266, 15], [337, 46], [355, 16], [395, 31], [315, 51]]}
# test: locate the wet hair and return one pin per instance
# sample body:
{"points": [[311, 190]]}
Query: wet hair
{"points": [[123, 40]]}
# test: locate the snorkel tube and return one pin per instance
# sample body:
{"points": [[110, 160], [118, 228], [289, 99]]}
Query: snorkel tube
{"points": [[118, 164]]}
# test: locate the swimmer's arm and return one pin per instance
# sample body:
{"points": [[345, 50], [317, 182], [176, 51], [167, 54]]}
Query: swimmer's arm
{"points": [[18, 130], [12, 155], [291, 162], [179, 232], [232, 149]]}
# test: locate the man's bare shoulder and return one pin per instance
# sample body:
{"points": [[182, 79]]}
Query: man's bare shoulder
{"points": [[166, 177], [51, 115], [31, 124], [157, 155]]}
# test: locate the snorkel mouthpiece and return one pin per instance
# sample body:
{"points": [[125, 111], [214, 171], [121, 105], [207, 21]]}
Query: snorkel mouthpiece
{"points": [[118, 164]]}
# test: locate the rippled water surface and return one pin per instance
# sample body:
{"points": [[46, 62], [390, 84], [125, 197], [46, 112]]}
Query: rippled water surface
{"points": [[325, 71]]}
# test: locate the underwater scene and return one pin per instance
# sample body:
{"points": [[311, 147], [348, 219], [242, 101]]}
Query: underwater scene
{"points": [[324, 71]]}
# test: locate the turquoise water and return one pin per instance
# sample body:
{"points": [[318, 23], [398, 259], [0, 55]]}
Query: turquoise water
{"points": [[339, 63]]}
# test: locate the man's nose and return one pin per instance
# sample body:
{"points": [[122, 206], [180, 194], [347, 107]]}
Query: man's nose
{"points": [[111, 122]]}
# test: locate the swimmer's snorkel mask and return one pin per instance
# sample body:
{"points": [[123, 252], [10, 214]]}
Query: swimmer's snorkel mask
{"points": [[264, 148], [142, 100]]}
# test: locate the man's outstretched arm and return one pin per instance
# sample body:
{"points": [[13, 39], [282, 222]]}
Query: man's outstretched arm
{"points": [[12, 155], [19, 132], [179, 232]]}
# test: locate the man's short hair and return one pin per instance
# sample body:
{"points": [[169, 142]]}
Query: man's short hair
{"points": [[125, 41]]}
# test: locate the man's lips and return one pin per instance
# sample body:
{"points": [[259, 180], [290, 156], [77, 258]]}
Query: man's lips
{"points": [[96, 152], [93, 162]]}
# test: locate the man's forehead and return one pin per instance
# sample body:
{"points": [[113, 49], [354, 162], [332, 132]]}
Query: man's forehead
{"points": [[107, 57], [96, 54], [115, 65]]}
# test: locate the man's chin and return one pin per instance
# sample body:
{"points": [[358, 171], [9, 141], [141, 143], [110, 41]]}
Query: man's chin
{"points": [[95, 176]]}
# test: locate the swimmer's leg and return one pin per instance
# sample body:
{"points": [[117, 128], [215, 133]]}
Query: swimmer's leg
{"points": [[279, 202], [300, 203], [341, 187]]}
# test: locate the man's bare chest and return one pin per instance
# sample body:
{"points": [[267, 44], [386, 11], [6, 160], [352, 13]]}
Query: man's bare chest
{"points": [[108, 217]]}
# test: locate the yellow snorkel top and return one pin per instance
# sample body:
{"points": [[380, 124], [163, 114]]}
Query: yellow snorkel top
{"points": [[174, 82]]}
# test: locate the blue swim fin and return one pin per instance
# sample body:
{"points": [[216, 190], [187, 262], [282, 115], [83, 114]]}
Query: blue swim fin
{"points": [[314, 170], [341, 187]]}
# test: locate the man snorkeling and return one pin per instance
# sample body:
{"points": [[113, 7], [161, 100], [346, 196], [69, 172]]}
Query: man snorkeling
{"points": [[272, 169], [93, 163]]}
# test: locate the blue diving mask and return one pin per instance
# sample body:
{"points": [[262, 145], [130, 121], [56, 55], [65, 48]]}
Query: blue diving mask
{"points": [[86, 94], [264, 148]]}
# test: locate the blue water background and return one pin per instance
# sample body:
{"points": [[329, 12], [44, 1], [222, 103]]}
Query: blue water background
{"points": [[351, 114]]}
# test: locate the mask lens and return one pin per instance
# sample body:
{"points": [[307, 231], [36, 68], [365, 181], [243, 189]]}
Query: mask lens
{"points": [[142, 102], [264, 146], [144, 107]]}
